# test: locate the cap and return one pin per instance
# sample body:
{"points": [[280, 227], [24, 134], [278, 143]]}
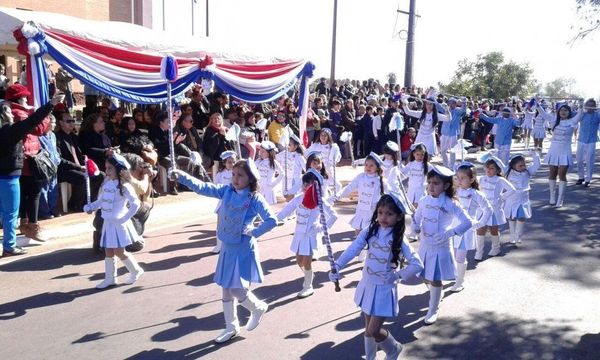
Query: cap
{"points": [[121, 161], [442, 170], [414, 146], [227, 154], [375, 157], [268, 145], [16, 91], [392, 146], [317, 175], [400, 202]]}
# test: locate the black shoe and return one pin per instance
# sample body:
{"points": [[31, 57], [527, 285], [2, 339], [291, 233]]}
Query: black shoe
{"points": [[173, 191], [579, 182], [46, 217], [15, 252], [587, 184]]}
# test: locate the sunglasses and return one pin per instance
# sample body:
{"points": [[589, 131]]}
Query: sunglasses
{"points": [[70, 121]]}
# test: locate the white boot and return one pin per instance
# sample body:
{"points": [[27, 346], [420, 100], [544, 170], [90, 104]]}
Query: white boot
{"points": [[232, 325], [552, 186], [480, 244], [495, 250], [562, 188], [461, 268], [435, 296], [257, 309], [307, 287], [391, 347], [110, 273], [370, 348], [135, 270], [519, 230], [513, 232], [217, 248]]}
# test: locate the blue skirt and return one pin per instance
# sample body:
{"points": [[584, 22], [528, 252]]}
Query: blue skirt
{"points": [[238, 265], [377, 300]]}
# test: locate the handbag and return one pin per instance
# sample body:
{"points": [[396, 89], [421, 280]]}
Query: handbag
{"points": [[42, 167]]}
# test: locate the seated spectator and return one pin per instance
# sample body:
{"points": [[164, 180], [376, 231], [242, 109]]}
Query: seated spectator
{"points": [[93, 141], [72, 163], [113, 125], [128, 129]]}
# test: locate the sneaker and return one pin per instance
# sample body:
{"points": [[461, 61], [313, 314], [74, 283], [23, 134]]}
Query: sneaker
{"points": [[14, 252], [587, 184], [579, 182]]}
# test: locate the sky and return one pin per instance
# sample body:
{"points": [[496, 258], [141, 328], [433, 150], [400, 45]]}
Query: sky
{"points": [[527, 31]]}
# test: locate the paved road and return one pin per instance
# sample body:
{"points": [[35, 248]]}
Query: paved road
{"points": [[539, 301]]}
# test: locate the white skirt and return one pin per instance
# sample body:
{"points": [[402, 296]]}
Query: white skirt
{"points": [[539, 133], [305, 244], [269, 193], [527, 124], [377, 300], [438, 262], [518, 206], [466, 241], [429, 142], [415, 193], [497, 218], [361, 220], [559, 154], [115, 236]]}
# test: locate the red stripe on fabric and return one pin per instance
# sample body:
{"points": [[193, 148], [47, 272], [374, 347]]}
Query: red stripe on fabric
{"points": [[118, 57], [259, 67], [259, 76]]}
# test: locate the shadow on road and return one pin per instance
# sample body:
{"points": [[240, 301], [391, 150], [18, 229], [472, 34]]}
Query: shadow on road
{"points": [[17, 308]]}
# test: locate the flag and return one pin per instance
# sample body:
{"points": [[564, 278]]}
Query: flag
{"points": [[397, 122], [284, 140], [233, 134]]}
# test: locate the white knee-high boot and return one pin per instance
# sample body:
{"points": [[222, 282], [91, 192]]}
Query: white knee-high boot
{"points": [[480, 244], [435, 296], [135, 270], [552, 186], [307, 287], [519, 230], [232, 325], [257, 309], [562, 188], [110, 273], [370, 348], [391, 347], [461, 269], [513, 231], [495, 246]]}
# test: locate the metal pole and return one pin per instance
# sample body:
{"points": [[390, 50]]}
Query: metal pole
{"points": [[408, 64], [206, 18], [333, 40], [133, 11], [171, 140], [163, 14], [193, 1]]}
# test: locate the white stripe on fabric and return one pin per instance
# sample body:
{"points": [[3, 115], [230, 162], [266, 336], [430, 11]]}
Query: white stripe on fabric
{"points": [[262, 86]]}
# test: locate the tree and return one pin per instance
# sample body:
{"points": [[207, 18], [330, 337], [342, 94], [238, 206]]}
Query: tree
{"points": [[490, 76], [589, 16], [560, 88]]}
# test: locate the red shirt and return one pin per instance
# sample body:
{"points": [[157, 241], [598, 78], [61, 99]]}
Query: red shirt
{"points": [[406, 142]]}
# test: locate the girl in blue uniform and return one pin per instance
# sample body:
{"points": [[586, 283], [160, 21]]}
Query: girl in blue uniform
{"points": [[377, 292], [239, 263]]}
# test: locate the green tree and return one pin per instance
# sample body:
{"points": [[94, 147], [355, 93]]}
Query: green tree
{"points": [[589, 18], [561, 87], [490, 76]]}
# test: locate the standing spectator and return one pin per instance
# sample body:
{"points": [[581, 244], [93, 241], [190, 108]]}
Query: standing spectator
{"points": [[406, 142], [91, 100], [72, 165], [322, 87], [49, 195], [586, 142], [276, 129], [348, 121], [3, 82], [63, 83], [368, 135], [23, 76], [11, 163]]}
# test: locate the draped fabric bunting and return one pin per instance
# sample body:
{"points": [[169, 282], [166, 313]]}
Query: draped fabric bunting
{"points": [[136, 77]]}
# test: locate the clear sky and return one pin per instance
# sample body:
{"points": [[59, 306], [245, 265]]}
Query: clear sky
{"points": [[533, 31]]}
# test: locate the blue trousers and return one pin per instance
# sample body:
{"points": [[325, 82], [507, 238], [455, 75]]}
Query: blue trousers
{"points": [[10, 196], [48, 198]]}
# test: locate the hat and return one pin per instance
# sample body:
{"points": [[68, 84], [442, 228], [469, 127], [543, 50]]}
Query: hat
{"points": [[506, 109], [392, 146], [327, 130], [487, 157], [515, 156], [253, 169], [442, 170], [16, 91], [312, 152], [227, 154], [375, 157], [295, 138], [400, 202], [452, 99], [60, 107], [121, 161], [317, 175], [268, 145], [464, 164], [414, 146], [320, 112]]}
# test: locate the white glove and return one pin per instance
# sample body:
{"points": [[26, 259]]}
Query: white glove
{"points": [[173, 173], [337, 276], [443, 238], [196, 158], [87, 208], [248, 230]]}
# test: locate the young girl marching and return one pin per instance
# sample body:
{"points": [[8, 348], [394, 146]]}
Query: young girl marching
{"points": [[391, 171], [114, 198], [377, 291], [239, 263], [433, 221], [308, 231], [428, 120], [416, 170], [223, 177], [330, 153], [478, 208], [540, 126], [528, 116], [271, 172], [496, 190], [517, 206], [294, 166]]}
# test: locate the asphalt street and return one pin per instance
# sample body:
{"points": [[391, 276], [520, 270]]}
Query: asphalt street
{"points": [[537, 301]]}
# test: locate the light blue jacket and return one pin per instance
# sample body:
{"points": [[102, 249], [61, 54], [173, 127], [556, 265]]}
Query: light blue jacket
{"points": [[452, 127], [505, 128], [588, 128]]}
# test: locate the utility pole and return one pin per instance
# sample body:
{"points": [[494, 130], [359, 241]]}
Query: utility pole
{"points": [[410, 42], [206, 18], [193, 2], [332, 77]]}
